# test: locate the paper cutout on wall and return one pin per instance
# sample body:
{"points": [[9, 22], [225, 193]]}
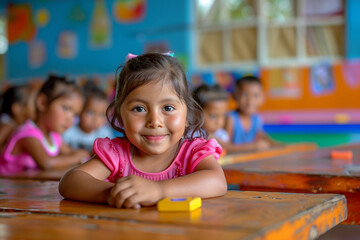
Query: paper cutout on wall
{"points": [[322, 80], [42, 17], [100, 26], [351, 71], [77, 14], [226, 80], [284, 82], [129, 11], [67, 45], [20, 23], [200, 78], [183, 59], [37, 54], [157, 47]]}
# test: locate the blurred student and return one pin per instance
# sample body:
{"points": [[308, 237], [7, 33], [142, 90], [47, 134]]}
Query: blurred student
{"points": [[92, 120], [244, 125], [17, 105], [214, 102], [38, 144]]}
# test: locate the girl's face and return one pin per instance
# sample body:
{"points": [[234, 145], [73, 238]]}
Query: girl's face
{"points": [[249, 97], [153, 118], [61, 112], [214, 113], [93, 115]]}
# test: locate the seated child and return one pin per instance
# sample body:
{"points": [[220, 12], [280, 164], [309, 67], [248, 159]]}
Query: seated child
{"points": [[244, 125], [17, 105], [158, 156], [92, 120], [214, 102], [37, 144]]}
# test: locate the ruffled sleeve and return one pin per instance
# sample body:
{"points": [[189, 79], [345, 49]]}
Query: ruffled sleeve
{"points": [[203, 148], [111, 153]]}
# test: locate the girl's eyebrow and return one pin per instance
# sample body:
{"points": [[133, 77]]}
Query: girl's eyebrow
{"points": [[170, 99]]}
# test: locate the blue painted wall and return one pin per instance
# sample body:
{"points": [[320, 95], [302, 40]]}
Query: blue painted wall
{"points": [[165, 21], [353, 29]]}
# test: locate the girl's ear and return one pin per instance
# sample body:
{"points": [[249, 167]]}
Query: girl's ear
{"points": [[41, 102], [16, 109]]}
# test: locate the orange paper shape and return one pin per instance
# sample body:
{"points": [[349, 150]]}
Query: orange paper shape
{"points": [[20, 24], [127, 11]]}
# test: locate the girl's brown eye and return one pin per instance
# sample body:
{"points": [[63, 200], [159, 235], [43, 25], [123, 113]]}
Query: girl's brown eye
{"points": [[169, 108]]}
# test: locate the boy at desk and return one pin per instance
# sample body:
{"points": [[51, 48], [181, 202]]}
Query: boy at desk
{"points": [[244, 125]]}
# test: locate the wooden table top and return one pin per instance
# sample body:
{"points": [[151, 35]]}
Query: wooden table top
{"points": [[313, 171], [50, 175], [56, 175], [249, 215], [268, 153]]}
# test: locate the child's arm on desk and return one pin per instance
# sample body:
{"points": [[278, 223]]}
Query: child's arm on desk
{"points": [[265, 137], [259, 144], [65, 159], [84, 184]]}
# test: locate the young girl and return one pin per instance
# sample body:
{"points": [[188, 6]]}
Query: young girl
{"points": [[38, 145], [157, 157], [17, 105], [214, 102]]}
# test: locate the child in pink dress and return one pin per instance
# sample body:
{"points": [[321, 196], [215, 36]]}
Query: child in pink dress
{"points": [[17, 105], [158, 156], [37, 144]]}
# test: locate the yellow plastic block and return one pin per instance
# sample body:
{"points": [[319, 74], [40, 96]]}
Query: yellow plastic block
{"points": [[171, 204]]}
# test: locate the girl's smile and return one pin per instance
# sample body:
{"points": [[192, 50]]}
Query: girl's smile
{"points": [[155, 138]]}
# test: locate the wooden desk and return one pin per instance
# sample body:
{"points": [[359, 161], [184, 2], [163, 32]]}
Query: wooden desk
{"points": [[268, 153], [53, 175], [56, 175], [306, 172], [250, 215]]}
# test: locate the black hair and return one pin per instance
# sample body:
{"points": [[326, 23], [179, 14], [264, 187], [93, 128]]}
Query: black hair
{"points": [[247, 79], [14, 94], [56, 87], [204, 94], [92, 91], [155, 67]]}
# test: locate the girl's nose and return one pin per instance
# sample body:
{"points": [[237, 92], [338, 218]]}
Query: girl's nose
{"points": [[154, 120]]}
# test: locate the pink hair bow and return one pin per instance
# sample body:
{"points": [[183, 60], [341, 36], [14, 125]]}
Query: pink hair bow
{"points": [[130, 55]]}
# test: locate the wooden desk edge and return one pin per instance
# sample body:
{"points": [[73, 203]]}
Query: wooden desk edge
{"points": [[313, 222]]}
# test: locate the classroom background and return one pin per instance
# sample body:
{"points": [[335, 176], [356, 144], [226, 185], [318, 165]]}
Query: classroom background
{"points": [[305, 51]]}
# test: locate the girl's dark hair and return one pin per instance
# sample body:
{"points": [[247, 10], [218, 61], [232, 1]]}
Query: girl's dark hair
{"points": [[206, 93], [56, 87], [155, 67], [15, 94]]}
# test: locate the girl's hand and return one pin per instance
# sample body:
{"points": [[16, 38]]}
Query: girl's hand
{"points": [[82, 155], [133, 191], [262, 144]]}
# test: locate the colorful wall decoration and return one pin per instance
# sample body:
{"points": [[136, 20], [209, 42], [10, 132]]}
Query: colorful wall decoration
{"points": [[100, 26], [90, 36], [129, 11], [21, 26], [324, 86]]}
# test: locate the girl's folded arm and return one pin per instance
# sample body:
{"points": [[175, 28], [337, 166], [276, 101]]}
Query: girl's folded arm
{"points": [[34, 147], [206, 181], [86, 182]]}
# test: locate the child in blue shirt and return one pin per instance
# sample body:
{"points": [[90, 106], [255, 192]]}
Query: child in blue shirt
{"points": [[244, 125]]}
